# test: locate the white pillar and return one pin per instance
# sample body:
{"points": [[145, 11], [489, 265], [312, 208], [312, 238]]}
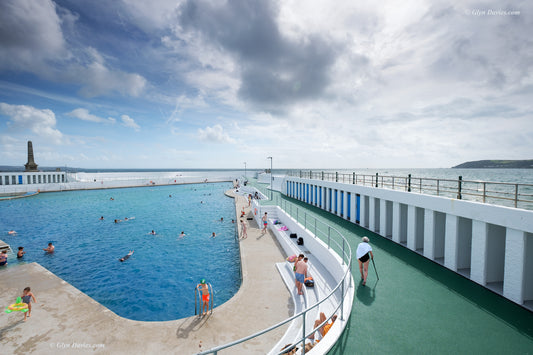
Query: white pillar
{"points": [[345, 207], [396, 231], [515, 259], [372, 214], [450, 246], [479, 252], [411, 227], [362, 211], [383, 218], [429, 234]]}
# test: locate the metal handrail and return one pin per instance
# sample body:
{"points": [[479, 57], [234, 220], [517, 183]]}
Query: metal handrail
{"points": [[341, 284], [521, 195]]}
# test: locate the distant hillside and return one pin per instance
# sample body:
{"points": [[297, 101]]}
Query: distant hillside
{"points": [[497, 164]]}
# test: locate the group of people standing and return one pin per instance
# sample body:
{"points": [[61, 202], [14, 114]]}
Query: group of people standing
{"points": [[21, 252]]}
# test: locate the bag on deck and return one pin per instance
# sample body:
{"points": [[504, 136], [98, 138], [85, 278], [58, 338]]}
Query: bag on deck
{"points": [[309, 282], [300, 241], [294, 235]]}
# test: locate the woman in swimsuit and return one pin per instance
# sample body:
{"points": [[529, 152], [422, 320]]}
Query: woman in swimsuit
{"points": [[265, 222]]}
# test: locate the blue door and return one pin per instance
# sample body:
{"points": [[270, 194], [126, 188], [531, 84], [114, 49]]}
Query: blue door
{"points": [[358, 212]]}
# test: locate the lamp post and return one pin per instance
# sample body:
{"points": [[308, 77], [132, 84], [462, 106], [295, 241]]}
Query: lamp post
{"points": [[270, 177]]}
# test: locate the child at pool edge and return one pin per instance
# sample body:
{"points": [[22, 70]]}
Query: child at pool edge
{"points": [[27, 296], [204, 290]]}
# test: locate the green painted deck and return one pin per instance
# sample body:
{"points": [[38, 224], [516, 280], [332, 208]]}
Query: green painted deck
{"points": [[418, 306]]}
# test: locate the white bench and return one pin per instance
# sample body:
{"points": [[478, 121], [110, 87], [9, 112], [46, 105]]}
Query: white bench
{"points": [[324, 284]]}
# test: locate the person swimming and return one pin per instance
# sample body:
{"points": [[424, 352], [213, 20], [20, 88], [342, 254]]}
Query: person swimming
{"points": [[152, 232], [126, 257]]}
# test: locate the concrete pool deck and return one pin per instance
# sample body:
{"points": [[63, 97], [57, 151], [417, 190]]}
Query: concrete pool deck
{"points": [[65, 320]]}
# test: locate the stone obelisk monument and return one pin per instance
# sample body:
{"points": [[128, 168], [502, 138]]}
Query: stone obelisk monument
{"points": [[30, 165]]}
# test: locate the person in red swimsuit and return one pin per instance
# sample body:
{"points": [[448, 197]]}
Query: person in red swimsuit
{"points": [[204, 290]]}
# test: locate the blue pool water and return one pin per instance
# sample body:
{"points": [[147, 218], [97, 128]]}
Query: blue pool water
{"points": [[157, 283]]}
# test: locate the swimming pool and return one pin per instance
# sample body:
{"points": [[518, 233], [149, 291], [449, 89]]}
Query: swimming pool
{"points": [[157, 283]]}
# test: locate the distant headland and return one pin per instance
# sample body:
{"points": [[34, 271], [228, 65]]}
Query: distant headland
{"points": [[496, 164]]}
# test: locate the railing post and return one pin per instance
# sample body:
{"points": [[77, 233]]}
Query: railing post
{"points": [[376, 179], [336, 176], [342, 298], [485, 191], [409, 183], [393, 182], [322, 176], [310, 174], [353, 178], [342, 251], [303, 328], [438, 187], [300, 174], [459, 196], [515, 195]]}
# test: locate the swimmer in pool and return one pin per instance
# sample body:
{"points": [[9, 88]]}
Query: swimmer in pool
{"points": [[153, 232], [50, 248], [126, 257], [102, 218], [20, 253], [12, 232], [182, 234], [213, 235]]}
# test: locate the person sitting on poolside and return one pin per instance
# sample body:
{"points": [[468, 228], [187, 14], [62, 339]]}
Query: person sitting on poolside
{"points": [[323, 330], [126, 257], [50, 248], [3, 258]]}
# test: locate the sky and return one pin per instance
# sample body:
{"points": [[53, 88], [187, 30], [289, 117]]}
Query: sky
{"points": [[312, 84]]}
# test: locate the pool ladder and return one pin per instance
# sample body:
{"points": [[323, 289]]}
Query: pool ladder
{"points": [[198, 300]]}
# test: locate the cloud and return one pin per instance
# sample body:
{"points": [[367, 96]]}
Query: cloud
{"points": [[215, 134], [40, 122], [275, 70], [30, 33], [84, 115], [127, 121], [32, 40]]}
